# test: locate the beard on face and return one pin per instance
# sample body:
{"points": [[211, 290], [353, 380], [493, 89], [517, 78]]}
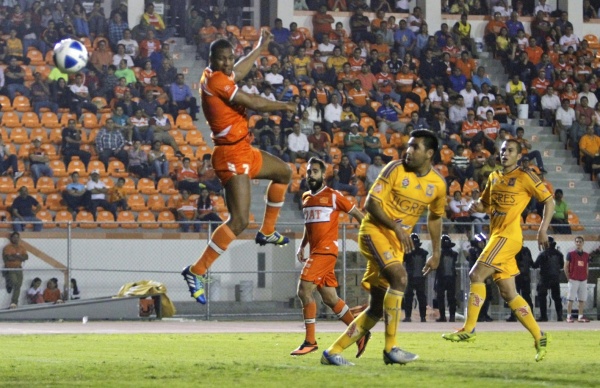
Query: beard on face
{"points": [[315, 184]]}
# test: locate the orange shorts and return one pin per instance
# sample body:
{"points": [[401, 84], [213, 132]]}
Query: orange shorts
{"points": [[236, 159], [320, 270]]}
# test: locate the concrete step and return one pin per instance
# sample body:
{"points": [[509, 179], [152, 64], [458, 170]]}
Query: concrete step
{"points": [[560, 169], [568, 183]]}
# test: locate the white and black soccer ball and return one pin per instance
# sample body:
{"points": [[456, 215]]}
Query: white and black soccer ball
{"points": [[70, 55]]}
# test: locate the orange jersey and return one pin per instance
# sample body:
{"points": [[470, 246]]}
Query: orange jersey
{"points": [[358, 96], [467, 68], [470, 129], [226, 119], [385, 82], [321, 211], [297, 38], [356, 64], [491, 129], [405, 81], [535, 54], [571, 96], [582, 73], [540, 86], [383, 50]]}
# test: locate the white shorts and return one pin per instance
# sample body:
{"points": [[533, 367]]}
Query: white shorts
{"points": [[577, 290]]}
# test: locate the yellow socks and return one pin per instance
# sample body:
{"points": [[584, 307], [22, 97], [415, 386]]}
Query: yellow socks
{"points": [[476, 299], [523, 313], [392, 311], [361, 324]]}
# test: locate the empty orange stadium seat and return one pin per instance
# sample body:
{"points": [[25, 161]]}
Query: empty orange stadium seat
{"points": [[62, 218], [184, 121], [166, 186], [90, 121], [126, 220], [102, 105], [156, 202], [6, 105], [27, 182], [19, 135], [367, 122], [194, 138], [250, 33], [533, 220], [50, 151], [361, 170], [252, 120], [454, 187], [116, 169], [85, 220], [54, 202], [203, 150], [31, 120], [573, 220], [46, 217], [22, 104], [77, 165], [392, 152], [338, 139], [147, 220], [187, 151], [146, 186], [172, 201], [336, 155], [96, 165], [166, 218], [129, 186], [136, 202], [50, 120], [106, 220], [446, 155], [469, 186], [6, 216]]}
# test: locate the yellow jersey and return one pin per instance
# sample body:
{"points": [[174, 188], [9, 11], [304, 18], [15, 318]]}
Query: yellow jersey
{"points": [[507, 195], [404, 196]]}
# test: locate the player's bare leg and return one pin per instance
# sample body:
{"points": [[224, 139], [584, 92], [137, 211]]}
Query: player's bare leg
{"points": [[279, 173], [309, 312], [237, 196]]}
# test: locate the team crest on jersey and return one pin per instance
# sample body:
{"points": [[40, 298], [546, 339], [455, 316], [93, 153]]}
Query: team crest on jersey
{"points": [[323, 200], [512, 181], [429, 191], [227, 87], [377, 188], [405, 183], [388, 256]]}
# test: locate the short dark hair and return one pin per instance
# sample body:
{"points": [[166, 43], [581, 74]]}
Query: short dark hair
{"points": [[516, 143], [430, 140], [219, 44], [318, 161], [186, 158]]}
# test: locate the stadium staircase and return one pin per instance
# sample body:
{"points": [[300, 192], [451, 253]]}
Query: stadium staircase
{"points": [[580, 193]]}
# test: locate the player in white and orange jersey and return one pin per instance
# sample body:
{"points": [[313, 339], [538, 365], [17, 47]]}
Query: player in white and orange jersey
{"points": [[321, 207]]}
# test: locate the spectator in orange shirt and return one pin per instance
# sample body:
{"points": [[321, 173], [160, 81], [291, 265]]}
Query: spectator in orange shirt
{"points": [[466, 64], [534, 51], [297, 37], [187, 212], [208, 34], [52, 292], [188, 178], [490, 129], [322, 23], [471, 130], [368, 81], [117, 196], [492, 30], [360, 100], [589, 147], [149, 45]]}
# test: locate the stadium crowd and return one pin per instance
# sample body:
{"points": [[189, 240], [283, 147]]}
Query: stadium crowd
{"points": [[130, 114]]}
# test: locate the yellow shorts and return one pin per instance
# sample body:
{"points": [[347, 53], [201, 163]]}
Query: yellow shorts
{"points": [[499, 253], [381, 249]]}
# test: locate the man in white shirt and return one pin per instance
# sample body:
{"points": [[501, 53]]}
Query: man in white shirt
{"points": [[81, 97], [545, 8], [268, 93], [415, 20], [550, 103], [485, 92], [274, 78], [250, 88], [373, 171], [458, 112], [470, 95], [565, 117], [569, 39], [585, 92], [298, 144], [98, 191], [120, 55], [326, 48], [333, 113], [132, 47], [438, 97]]}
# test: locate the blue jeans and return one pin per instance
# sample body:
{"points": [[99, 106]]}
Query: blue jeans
{"points": [[40, 169], [353, 156], [14, 88], [19, 225], [37, 105], [161, 169], [143, 136], [344, 187]]}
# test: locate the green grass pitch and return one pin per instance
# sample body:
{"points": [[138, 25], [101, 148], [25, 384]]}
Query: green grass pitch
{"points": [[262, 360]]}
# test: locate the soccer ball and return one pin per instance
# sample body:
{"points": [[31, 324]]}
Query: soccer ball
{"points": [[70, 56]]}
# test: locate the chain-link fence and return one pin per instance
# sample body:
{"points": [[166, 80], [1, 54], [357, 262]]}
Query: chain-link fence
{"points": [[247, 281]]}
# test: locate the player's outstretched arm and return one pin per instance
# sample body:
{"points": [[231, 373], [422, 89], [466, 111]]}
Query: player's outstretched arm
{"points": [[434, 225], [260, 104], [542, 234], [243, 66]]}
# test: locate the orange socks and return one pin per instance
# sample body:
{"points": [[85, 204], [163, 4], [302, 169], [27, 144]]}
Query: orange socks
{"points": [[275, 197], [218, 243], [310, 314], [343, 312]]}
